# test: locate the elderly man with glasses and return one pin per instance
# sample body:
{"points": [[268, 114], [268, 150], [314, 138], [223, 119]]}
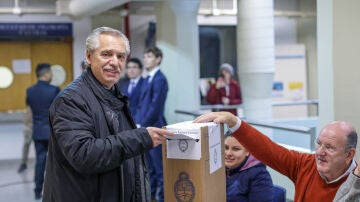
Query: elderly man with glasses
{"points": [[317, 177]]}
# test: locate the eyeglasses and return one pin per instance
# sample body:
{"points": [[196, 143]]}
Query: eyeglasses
{"points": [[326, 147]]}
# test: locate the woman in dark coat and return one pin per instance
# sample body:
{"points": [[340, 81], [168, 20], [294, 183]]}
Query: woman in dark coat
{"points": [[246, 178]]}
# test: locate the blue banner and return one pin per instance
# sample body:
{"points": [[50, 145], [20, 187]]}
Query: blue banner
{"points": [[15, 30]]}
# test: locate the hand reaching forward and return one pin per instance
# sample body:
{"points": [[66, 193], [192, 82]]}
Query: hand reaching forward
{"points": [[218, 117], [158, 135], [357, 169]]}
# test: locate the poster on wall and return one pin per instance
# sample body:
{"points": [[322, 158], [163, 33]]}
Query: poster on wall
{"points": [[21, 66], [290, 81]]}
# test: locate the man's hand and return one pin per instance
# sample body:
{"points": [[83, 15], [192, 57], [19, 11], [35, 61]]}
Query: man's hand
{"points": [[158, 135], [357, 169], [218, 117], [220, 83], [225, 100]]}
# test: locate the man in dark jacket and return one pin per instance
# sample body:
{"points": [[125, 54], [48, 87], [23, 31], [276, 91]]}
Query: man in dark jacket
{"points": [[95, 150], [39, 98]]}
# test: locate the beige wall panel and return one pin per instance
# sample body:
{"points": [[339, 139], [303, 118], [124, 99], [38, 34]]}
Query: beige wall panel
{"points": [[13, 97], [60, 53]]}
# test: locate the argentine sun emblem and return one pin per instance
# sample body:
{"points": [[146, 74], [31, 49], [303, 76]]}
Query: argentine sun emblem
{"points": [[184, 189], [183, 145]]}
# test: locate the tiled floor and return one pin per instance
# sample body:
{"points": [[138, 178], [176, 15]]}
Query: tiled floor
{"points": [[11, 141], [14, 187]]}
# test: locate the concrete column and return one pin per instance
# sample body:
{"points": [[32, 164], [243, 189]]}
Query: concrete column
{"points": [[81, 28], [177, 35], [255, 53]]}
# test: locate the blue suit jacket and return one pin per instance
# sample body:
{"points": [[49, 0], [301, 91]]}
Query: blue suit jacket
{"points": [[39, 98], [150, 111], [134, 98]]}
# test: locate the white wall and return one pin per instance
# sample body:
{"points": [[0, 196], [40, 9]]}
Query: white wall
{"points": [[138, 31], [346, 42]]}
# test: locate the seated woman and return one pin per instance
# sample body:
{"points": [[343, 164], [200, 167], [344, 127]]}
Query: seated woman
{"points": [[246, 178]]}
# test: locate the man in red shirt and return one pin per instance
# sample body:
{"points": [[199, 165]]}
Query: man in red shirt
{"points": [[317, 177]]}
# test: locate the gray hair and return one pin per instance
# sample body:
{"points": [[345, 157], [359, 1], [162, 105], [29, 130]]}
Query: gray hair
{"points": [[92, 41], [351, 140]]}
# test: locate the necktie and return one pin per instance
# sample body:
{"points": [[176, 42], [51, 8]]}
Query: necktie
{"points": [[131, 87]]}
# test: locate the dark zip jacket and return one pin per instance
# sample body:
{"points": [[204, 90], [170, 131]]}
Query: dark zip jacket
{"points": [[95, 151], [249, 182]]}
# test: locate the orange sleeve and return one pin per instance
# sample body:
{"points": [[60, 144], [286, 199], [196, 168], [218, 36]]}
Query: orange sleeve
{"points": [[265, 150]]}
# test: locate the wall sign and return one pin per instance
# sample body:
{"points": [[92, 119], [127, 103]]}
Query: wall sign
{"points": [[17, 30]]}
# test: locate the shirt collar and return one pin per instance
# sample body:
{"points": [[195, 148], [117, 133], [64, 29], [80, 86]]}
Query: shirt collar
{"points": [[153, 72], [347, 172], [136, 80]]}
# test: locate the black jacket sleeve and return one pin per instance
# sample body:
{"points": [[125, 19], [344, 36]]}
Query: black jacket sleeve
{"points": [[75, 127]]}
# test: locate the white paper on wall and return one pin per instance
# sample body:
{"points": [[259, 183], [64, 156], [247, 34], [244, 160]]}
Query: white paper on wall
{"points": [[21, 66], [290, 81]]}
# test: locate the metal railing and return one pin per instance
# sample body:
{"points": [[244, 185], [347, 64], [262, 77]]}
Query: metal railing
{"points": [[295, 103], [311, 131], [219, 107]]}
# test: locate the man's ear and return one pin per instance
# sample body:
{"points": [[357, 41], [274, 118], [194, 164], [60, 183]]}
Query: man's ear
{"points": [[88, 55], [48, 75], [158, 60], [351, 154]]}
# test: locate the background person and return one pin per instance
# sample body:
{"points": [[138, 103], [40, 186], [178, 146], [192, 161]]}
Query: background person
{"points": [[151, 113], [349, 191], [95, 150], [39, 98], [246, 178], [318, 176], [28, 124], [83, 65], [225, 90], [132, 86]]}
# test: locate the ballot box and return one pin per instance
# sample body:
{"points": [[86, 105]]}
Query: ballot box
{"points": [[193, 163]]}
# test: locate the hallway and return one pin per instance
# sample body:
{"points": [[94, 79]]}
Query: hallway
{"points": [[14, 187]]}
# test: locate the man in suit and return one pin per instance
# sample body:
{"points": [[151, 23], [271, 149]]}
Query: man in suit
{"points": [[39, 98], [150, 112], [132, 87]]}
